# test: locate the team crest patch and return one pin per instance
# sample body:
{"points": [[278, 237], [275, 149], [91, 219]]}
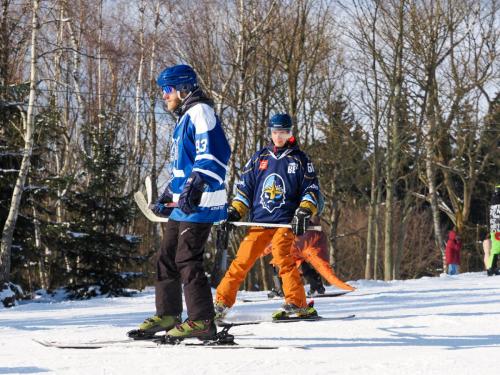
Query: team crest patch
{"points": [[273, 192]]}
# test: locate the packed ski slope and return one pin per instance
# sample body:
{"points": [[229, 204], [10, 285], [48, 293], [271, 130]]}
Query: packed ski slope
{"points": [[444, 325]]}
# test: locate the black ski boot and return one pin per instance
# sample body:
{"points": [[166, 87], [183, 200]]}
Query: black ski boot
{"points": [[493, 271], [274, 293]]}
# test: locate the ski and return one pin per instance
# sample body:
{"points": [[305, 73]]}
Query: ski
{"points": [[149, 344], [276, 298], [288, 320], [222, 340], [139, 335], [143, 341], [313, 318], [158, 341], [86, 345]]}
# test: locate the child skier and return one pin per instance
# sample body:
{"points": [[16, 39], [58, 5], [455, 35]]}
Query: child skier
{"points": [[278, 185]]}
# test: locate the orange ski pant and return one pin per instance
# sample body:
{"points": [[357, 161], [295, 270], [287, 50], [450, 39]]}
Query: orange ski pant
{"points": [[251, 248]]}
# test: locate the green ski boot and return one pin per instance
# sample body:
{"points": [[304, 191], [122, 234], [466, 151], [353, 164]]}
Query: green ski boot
{"points": [[154, 324], [202, 329], [289, 310]]}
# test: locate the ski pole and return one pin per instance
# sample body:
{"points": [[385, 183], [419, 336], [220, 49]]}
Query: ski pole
{"points": [[254, 224], [270, 225]]}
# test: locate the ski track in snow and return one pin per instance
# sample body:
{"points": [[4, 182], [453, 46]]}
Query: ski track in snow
{"points": [[441, 325]]}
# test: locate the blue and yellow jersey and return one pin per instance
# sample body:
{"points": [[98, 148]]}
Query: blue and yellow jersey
{"points": [[273, 184]]}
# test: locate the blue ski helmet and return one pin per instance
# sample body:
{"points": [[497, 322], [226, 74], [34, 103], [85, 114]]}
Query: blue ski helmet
{"points": [[180, 77], [280, 121]]}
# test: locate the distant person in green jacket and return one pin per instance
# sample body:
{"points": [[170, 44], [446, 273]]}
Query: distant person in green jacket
{"points": [[491, 244]]}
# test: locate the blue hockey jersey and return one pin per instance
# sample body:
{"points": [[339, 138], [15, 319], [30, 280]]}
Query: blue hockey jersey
{"points": [[199, 145], [273, 184]]}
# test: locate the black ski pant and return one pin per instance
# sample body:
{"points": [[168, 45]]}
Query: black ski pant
{"points": [[312, 277], [180, 260]]}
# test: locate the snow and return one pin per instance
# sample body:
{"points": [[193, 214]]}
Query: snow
{"points": [[442, 325], [6, 293]]}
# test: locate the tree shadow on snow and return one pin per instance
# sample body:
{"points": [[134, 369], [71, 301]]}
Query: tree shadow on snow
{"points": [[39, 324], [400, 338], [22, 370], [382, 303]]}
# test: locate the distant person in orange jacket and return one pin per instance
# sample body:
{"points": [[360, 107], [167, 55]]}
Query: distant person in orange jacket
{"points": [[310, 252], [452, 254]]}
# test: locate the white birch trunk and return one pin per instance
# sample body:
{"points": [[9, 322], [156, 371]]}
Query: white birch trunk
{"points": [[10, 223]]}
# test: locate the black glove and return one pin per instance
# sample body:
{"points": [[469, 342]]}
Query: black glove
{"points": [[300, 220], [233, 214], [160, 207], [190, 197], [166, 197]]}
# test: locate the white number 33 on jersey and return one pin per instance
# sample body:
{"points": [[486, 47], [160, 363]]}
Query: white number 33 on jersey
{"points": [[201, 146]]}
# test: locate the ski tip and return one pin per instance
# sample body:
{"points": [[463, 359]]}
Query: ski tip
{"points": [[51, 344]]}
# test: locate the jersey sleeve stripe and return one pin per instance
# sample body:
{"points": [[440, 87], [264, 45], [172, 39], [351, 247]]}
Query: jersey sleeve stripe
{"points": [[178, 173], [209, 198], [308, 198], [242, 199], [215, 176], [211, 157]]}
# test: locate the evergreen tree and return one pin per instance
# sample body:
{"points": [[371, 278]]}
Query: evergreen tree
{"points": [[339, 157], [100, 257]]}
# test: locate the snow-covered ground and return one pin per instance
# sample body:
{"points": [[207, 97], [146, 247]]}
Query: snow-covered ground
{"points": [[444, 325]]}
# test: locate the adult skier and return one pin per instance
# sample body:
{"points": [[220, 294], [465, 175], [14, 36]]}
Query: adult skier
{"points": [[491, 245], [278, 185], [199, 156]]}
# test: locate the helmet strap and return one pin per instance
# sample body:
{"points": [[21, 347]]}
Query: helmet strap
{"points": [[182, 99]]}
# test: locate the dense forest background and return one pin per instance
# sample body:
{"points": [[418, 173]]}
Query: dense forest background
{"points": [[396, 101]]}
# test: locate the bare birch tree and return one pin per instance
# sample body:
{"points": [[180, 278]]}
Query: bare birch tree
{"points": [[28, 125]]}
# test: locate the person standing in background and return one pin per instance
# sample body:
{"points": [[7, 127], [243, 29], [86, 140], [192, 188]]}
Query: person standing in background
{"points": [[452, 254]]}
